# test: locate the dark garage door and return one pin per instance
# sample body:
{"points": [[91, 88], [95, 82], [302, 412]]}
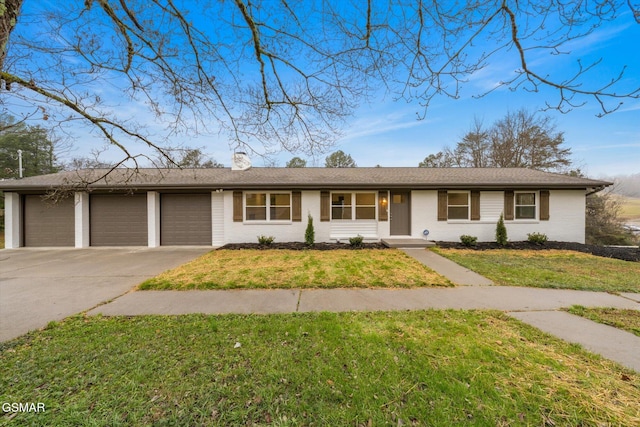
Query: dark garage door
{"points": [[47, 223], [118, 219], [185, 219]]}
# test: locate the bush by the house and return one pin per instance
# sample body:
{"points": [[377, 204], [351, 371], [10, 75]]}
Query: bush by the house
{"points": [[537, 238], [468, 241], [309, 234], [356, 242], [501, 232], [266, 240]]}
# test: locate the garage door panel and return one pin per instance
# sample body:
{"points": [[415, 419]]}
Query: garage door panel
{"points": [[185, 219], [118, 220], [47, 223]]}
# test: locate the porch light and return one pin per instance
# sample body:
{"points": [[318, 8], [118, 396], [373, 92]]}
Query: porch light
{"points": [[384, 201]]}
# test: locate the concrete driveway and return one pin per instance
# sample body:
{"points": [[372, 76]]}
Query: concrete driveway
{"points": [[41, 285]]}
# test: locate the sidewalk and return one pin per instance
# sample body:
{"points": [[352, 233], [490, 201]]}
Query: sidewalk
{"points": [[535, 306]]}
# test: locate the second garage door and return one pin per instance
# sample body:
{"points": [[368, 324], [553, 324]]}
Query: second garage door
{"points": [[185, 219], [118, 219]]}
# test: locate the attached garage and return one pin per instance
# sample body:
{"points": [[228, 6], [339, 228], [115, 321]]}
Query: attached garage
{"points": [[185, 219], [118, 220], [47, 223]]}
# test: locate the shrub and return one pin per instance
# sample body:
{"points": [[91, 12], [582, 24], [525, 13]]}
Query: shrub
{"points": [[501, 232], [537, 238], [309, 233], [266, 240], [356, 242], [468, 241]]}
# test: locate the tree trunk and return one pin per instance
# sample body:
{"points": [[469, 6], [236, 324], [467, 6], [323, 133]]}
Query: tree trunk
{"points": [[8, 19]]}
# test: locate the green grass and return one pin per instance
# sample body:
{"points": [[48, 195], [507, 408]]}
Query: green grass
{"points": [[550, 269], [233, 269], [628, 320], [404, 368]]}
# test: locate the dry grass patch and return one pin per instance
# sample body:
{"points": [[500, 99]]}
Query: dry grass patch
{"points": [[629, 208], [550, 269], [233, 269]]}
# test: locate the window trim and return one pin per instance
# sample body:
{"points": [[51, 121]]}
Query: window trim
{"points": [[536, 205], [353, 206], [267, 207], [468, 205]]}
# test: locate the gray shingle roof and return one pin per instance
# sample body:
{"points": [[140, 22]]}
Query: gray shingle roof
{"points": [[303, 178]]}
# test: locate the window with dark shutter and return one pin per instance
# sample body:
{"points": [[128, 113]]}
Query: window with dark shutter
{"points": [[296, 206], [442, 205], [508, 205], [325, 206], [475, 206], [544, 205], [237, 206]]}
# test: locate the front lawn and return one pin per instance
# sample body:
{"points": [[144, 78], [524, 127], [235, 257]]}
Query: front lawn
{"points": [[402, 368], [366, 268], [628, 320], [550, 269]]}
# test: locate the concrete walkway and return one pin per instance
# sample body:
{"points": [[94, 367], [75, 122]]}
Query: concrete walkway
{"points": [[447, 268]]}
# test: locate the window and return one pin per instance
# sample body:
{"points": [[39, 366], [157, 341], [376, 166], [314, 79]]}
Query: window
{"points": [[268, 207], [365, 206], [353, 206], [457, 205], [525, 205]]}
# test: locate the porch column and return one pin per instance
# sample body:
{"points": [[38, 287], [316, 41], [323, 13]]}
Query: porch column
{"points": [[81, 207], [153, 218], [12, 221]]}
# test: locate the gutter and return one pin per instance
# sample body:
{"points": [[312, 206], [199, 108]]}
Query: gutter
{"points": [[597, 189]]}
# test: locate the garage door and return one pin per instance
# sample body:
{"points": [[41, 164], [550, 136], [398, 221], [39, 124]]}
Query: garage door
{"points": [[48, 224], [118, 220], [185, 219]]}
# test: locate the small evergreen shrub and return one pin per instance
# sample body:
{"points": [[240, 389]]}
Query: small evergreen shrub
{"points": [[266, 240], [468, 241], [309, 233], [537, 238], [501, 232], [356, 242]]}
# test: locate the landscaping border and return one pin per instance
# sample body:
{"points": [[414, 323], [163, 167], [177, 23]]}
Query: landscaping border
{"points": [[626, 253]]}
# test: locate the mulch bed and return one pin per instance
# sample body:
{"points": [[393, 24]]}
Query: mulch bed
{"points": [[629, 253], [299, 246], [625, 253]]}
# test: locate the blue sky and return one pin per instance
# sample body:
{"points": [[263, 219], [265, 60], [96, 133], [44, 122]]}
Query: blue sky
{"points": [[388, 132]]}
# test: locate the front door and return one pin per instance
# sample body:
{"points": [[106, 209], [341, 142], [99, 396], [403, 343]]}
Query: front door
{"points": [[400, 213]]}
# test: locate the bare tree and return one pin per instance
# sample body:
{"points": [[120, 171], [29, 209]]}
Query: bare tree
{"points": [[277, 75], [521, 139]]}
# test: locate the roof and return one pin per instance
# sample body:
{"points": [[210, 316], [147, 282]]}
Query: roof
{"points": [[302, 178]]}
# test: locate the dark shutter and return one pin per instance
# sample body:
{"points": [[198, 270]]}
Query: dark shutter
{"points": [[475, 206], [442, 205], [237, 206], [544, 205], [383, 205], [325, 206], [296, 206], [508, 205]]}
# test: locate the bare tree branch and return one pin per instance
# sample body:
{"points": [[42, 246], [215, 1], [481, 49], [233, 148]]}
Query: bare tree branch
{"points": [[284, 75]]}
